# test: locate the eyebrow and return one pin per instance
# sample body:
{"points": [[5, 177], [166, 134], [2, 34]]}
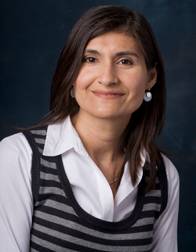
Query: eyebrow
{"points": [[118, 54]]}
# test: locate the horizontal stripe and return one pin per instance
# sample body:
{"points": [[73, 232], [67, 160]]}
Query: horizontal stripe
{"points": [[51, 190], [48, 164], [54, 205], [86, 244], [144, 221], [92, 232], [62, 244], [65, 215], [49, 245], [40, 140], [88, 237], [151, 206], [39, 132], [48, 170], [47, 176], [50, 183], [154, 193], [74, 218]]}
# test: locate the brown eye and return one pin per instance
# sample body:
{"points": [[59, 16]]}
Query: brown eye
{"points": [[88, 59], [126, 62]]}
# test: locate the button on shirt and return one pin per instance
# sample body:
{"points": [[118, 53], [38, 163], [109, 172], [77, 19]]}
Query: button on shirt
{"points": [[94, 195]]}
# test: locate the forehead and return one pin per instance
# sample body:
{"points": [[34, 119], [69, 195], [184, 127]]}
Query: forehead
{"points": [[114, 41]]}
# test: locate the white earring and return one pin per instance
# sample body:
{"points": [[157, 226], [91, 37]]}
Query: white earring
{"points": [[147, 96], [72, 92]]}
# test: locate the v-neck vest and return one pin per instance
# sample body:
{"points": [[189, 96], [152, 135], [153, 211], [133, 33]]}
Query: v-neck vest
{"points": [[59, 223]]}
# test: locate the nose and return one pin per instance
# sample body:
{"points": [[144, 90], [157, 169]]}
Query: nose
{"points": [[107, 76]]}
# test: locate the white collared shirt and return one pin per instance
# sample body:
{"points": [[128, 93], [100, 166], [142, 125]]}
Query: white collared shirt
{"points": [[94, 195]]}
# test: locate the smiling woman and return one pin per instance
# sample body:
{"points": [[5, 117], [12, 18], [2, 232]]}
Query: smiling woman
{"points": [[89, 176], [113, 78]]}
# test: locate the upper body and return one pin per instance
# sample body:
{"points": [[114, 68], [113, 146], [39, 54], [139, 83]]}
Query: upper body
{"points": [[110, 81], [94, 195]]}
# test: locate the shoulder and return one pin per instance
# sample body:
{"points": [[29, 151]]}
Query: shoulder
{"points": [[173, 183], [15, 143], [165, 228], [15, 191], [171, 171], [15, 155]]}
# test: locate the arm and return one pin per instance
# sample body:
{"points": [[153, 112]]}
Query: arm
{"points": [[15, 194], [165, 235]]}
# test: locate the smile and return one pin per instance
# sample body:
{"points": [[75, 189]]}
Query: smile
{"points": [[108, 95]]}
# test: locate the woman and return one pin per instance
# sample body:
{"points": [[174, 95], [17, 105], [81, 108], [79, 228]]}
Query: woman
{"points": [[89, 177]]}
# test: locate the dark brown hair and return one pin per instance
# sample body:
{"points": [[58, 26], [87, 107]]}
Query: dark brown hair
{"points": [[145, 123]]}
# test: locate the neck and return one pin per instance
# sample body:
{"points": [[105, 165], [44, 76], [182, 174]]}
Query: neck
{"points": [[101, 137]]}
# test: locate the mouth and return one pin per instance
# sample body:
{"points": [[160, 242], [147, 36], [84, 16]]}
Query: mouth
{"points": [[107, 94]]}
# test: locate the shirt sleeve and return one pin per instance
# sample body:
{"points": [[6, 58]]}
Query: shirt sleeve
{"points": [[165, 235], [15, 193]]}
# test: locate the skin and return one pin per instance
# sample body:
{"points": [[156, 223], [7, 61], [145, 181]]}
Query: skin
{"points": [[109, 88]]}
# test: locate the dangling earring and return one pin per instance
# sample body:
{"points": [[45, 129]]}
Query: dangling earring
{"points": [[147, 96], [72, 92]]}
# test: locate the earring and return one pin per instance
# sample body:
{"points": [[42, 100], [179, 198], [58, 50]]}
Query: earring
{"points": [[72, 92], [147, 96]]}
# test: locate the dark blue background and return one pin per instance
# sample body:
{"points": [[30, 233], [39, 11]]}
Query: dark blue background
{"points": [[32, 35]]}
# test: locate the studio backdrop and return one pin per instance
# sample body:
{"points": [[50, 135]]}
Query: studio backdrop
{"points": [[32, 36]]}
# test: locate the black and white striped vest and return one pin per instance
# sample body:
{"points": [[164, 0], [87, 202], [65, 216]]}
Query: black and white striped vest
{"points": [[60, 224]]}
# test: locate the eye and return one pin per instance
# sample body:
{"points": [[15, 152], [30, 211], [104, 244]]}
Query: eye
{"points": [[125, 62], [89, 59]]}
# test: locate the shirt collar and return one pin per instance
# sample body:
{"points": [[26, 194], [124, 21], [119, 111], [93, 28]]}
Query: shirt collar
{"points": [[61, 137], [126, 186]]}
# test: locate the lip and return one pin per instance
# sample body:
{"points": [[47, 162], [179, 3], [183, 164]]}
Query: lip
{"points": [[108, 94]]}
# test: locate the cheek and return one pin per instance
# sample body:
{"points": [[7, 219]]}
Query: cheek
{"points": [[84, 79], [136, 85], [81, 87]]}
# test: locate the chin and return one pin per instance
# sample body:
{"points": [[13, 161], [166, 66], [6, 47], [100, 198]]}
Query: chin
{"points": [[109, 115]]}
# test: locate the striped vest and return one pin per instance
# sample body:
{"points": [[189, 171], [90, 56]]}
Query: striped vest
{"points": [[60, 224]]}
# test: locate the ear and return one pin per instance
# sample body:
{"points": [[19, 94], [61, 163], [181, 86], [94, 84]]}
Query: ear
{"points": [[152, 78]]}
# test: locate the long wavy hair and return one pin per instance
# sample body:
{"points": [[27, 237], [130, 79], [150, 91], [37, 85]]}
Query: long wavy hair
{"points": [[145, 123]]}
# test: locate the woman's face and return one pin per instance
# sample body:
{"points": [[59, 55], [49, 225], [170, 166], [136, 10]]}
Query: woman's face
{"points": [[113, 77]]}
